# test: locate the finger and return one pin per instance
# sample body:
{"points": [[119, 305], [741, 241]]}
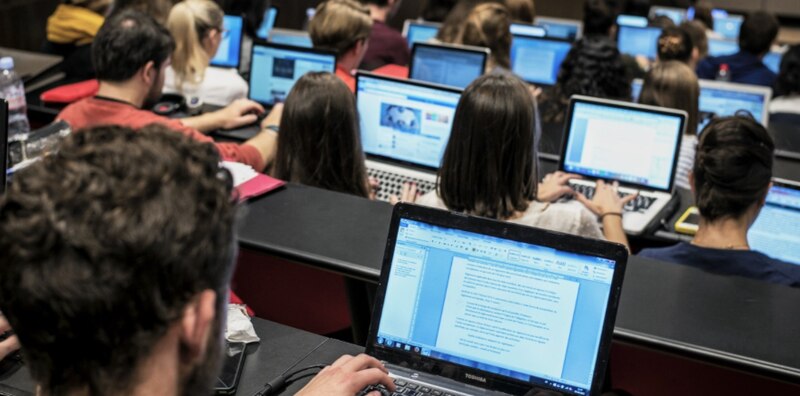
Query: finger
{"points": [[249, 105], [8, 346], [373, 376], [628, 198], [600, 184], [245, 119], [394, 200], [342, 360], [363, 362], [566, 190]]}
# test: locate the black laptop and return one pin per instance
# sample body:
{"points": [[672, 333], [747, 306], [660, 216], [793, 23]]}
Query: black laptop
{"points": [[472, 306]]}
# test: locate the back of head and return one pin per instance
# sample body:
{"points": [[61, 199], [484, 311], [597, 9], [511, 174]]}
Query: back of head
{"points": [[636, 7], [758, 32], [598, 18], [697, 32], [675, 44], [489, 165], [104, 244], [523, 11], [158, 9], [339, 24], [190, 21], [320, 142], [594, 67], [437, 10], [127, 41], [732, 167], [451, 27], [703, 14], [489, 25], [673, 84], [662, 21], [788, 82]]}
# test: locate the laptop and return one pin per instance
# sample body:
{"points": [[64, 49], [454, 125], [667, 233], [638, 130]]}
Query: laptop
{"points": [[722, 99], [473, 306], [4, 143], [677, 15], [524, 29], [453, 65], [229, 52], [633, 144], [416, 31], [566, 29], [632, 20], [728, 26], [297, 38], [537, 60], [405, 126], [776, 231], [773, 60], [722, 47], [639, 41], [270, 16]]}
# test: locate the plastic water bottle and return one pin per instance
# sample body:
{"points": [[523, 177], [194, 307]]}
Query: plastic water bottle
{"points": [[13, 91], [724, 72]]}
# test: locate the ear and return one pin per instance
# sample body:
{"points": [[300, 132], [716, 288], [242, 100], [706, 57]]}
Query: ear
{"points": [[763, 200], [691, 182], [197, 324], [149, 73]]}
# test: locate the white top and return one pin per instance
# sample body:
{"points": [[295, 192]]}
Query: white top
{"points": [[570, 217], [220, 86], [685, 161], [785, 104]]}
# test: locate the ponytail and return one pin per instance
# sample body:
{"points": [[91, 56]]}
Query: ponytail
{"points": [[189, 21]]}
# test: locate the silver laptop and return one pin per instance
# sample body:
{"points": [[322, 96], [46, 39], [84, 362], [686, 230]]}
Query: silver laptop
{"points": [[416, 31], [445, 64], [405, 126], [472, 306], [635, 145], [567, 29], [776, 231], [297, 38]]}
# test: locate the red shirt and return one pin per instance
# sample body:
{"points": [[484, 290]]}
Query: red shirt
{"points": [[386, 46], [348, 78], [91, 112]]}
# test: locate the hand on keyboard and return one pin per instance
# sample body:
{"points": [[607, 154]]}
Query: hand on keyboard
{"points": [[374, 187], [409, 194], [348, 376], [606, 199], [9, 342], [554, 186]]}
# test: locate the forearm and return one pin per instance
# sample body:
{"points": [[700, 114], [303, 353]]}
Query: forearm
{"points": [[266, 142], [206, 123], [613, 231]]}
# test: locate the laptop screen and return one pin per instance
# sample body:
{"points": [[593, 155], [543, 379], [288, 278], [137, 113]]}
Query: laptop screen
{"points": [[623, 142], [538, 60], [776, 231], [270, 15], [722, 47], [728, 26], [632, 20], [295, 38], [524, 29], [276, 68], [773, 61], [405, 121], [420, 32], [522, 311], [560, 28], [638, 41], [231, 45], [456, 67], [677, 15]]}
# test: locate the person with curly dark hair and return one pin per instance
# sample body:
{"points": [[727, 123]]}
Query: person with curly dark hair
{"points": [[787, 86]]}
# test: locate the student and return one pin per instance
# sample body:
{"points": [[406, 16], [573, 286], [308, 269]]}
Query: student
{"points": [[320, 142], [131, 81], [386, 45], [489, 25], [253, 12], [756, 36], [521, 11], [437, 10], [696, 31], [787, 85], [70, 31], [674, 85], [452, 25], [125, 282], [730, 180], [158, 9], [703, 14], [197, 27], [593, 67], [676, 44], [598, 19], [489, 168], [344, 27]]}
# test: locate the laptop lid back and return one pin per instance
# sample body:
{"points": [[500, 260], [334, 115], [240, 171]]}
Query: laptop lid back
{"points": [[538, 59], [728, 26], [677, 15], [639, 41], [274, 69], [456, 66], [419, 32], [496, 305], [524, 29], [776, 231], [722, 47], [230, 48], [633, 144], [565, 29], [405, 122], [296, 38]]}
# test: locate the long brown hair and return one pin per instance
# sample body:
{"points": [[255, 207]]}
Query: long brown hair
{"points": [[320, 142], [674, 85], [489, 25]]}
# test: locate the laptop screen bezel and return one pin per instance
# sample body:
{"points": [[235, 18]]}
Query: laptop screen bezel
{"points": [[4, 143], [241, 41], [264, 43], [640, 29], [382, 158], [551, 39], [483, 52], [561, 21], [512, 232], [629, 106], [765, 92]]}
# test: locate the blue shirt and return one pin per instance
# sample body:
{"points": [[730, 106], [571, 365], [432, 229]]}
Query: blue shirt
{"points": [[745, 68], [746, 263]]}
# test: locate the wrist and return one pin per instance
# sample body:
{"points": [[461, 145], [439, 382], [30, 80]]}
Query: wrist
{"points": [[611, 214]]}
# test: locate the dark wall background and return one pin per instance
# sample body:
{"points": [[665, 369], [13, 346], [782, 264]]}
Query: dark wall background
{"points": [[23, 22]]}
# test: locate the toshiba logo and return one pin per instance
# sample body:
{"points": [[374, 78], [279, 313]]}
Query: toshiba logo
{"points": [[475, 377]]}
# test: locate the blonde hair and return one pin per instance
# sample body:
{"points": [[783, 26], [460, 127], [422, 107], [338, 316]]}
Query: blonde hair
{"points": [[339, 24], [674, 85], [489, 25], [189, 21]]}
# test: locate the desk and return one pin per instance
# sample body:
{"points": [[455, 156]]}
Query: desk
{"points": [[31, 64]]}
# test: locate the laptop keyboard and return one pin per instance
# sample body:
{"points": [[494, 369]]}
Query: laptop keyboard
{"points": [[392, 183], [638, 204], [406, 388]]}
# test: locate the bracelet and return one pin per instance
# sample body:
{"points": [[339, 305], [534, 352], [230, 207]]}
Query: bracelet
{"points": [[273, 128], [602, 216]]}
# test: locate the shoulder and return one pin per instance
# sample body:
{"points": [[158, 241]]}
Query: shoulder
{"points": [[669, 253], [777, 271]]}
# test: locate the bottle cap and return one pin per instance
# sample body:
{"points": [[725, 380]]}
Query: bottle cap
{"points": [[6, 63]]}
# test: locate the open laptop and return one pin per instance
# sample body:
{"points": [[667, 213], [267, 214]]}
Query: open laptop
{"points": [[416, 31], [405, 126], [776, 231], [524, 29], [722, 47], [772, 60], [4, 143], [270, 16], [677, 15], [639, 41], [632, 144], [566, 29], [632, 20], [297, 38], [473, 306], [453, 65], [229, 52], [537, 60], [728, 26]]}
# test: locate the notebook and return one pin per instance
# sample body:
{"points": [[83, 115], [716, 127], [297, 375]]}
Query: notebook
{"points": [[297, 38], [230, 48], [270, 16], [639, 41], [472, 306], [452, 65], [405, 126], [537, 60], [776, 231], [566, 29], [632, 144], [419, 31]]}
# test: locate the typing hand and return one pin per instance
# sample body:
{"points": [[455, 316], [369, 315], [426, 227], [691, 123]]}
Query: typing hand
{"points": [[408, 194], [374, 186], [274, 116], [239, 113], [554, 186], [348, 376], [10, 344], [606, 199]]}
